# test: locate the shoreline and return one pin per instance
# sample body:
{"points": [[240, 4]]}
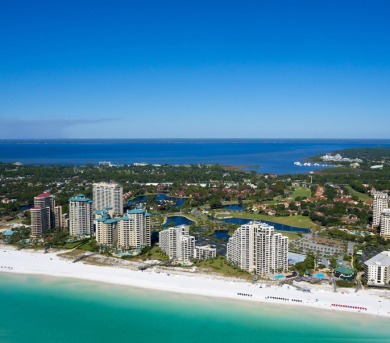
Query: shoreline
{"points": [[38, 263]]}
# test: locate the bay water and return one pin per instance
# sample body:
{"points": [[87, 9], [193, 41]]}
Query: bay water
{"points": [[263, 155]]}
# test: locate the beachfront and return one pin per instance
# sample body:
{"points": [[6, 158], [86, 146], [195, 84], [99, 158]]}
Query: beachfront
{"points": [[371, 302]]}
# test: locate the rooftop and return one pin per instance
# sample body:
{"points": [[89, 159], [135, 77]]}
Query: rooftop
{"points": [[344, 270], [382, 259], [44, 195], [80, 197]]}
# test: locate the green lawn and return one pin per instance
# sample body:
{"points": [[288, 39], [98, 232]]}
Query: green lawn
{"points": [[298, 221], [361, 196], [90, 245], [301, 192], [72, 245], [155, 254], [291, 236], [220, 266]]}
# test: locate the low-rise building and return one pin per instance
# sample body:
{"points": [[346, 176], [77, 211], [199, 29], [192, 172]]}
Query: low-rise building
{"points": [[205, 252]]}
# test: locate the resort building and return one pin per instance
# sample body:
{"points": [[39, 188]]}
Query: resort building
{"points": [[80, 216], [39, 221], [344, 273], [134, 229], [43, 214], [377, 270], [381, 202], [58, 217], [205, 252], [385, 223], [108, 194], [177, 243], [256, 248], [106, 228]]}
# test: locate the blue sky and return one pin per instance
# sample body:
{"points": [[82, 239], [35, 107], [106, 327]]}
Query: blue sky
{"points": [[194, 69]]}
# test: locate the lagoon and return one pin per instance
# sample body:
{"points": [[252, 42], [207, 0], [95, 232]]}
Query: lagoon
{"points": [[177, 220]]}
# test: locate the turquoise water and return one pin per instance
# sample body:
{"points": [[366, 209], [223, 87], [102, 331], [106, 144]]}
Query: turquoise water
{"points": [[35, 309], [319, 276]]}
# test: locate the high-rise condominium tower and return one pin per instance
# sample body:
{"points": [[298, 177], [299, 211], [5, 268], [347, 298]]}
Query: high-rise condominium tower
{"points": [[177, 243], [80, 216], [385, 223], [381, 201], [255, 247], [43, 217], [108, 195]]}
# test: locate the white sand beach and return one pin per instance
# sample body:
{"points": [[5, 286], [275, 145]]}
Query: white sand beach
{"points": [[373, 302]]}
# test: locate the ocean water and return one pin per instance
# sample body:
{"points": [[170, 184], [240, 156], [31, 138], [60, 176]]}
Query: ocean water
{"points": [[271, 155], [42, 309]]}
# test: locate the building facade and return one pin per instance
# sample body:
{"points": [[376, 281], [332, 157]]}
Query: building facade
{"points": [[177, 243], [106, 230], [58, 217], [385, 223], [380, 202], [205, 252], [108, 195], [80, 216], [43, 214], [39, 221], [377, 270], [256, 248], [134, 229]]}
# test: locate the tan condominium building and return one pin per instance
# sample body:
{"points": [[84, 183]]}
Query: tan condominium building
{"points": [[256, 248], [45, 215], [134, 229], [177, 243], [106, 194], [380, 202], [39, 221], [106, 230], [131, 231], [80, 216]]}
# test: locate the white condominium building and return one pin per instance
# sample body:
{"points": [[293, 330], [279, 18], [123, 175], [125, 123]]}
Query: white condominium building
{"points": [[255, 247], [381, 201], [108, 195], [205, 252], [80, 216], [134, 229], [177, 243], [377, 269], [385, 223]]}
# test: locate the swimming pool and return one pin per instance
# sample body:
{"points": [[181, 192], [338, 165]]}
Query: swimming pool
{"points": [[319, 276], [277, 277]]}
